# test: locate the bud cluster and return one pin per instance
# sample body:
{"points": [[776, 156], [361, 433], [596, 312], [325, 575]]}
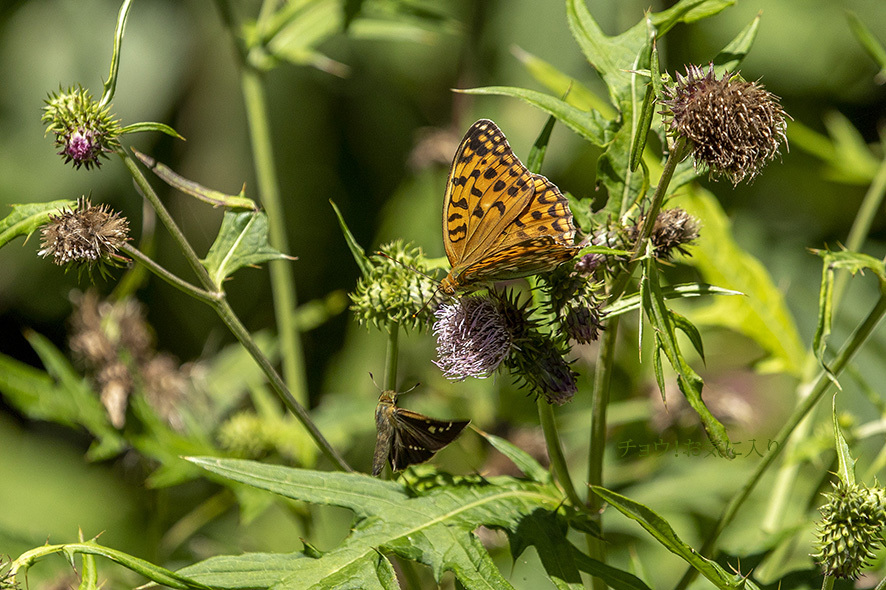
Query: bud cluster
{"points": [[396, 289], [849, 531]]}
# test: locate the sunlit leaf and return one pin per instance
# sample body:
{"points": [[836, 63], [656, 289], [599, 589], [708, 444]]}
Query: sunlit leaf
{"points": [[431, 520], [242, 240], [659, 528]]}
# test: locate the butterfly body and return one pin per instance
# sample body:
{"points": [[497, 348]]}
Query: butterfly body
{"points": [[406, 437], [500, 221]]}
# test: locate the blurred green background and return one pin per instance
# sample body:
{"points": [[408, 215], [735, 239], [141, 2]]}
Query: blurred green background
{"points": [[378, 143]]}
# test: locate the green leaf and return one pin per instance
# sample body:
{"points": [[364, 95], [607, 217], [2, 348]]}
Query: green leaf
{"points": [[198, 191], [110, 85], [854, 262], [688, 328], [614, 578], [357, 251], [589, 124], [540, 147], [151, 126], [688, 380], [546, 532], [849, 160], [144, 568], [523, 460], [619, 59], [573, 91], [26, 218], [662, 532], [242, 240], [845, 462], [641, 134], [734, 53], [426, 521], [632, 302], [868, 41], [58, 395], [763, 315]]}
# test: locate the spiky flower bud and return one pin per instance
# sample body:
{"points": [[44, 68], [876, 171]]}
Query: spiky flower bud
{"points": [[472, 337], [573, 301], [84, 130], [395, 289], [86, 236], [849, 530], [734, 127], [674, 229]]}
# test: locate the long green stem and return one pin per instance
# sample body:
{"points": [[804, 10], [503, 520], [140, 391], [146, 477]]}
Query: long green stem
{"points": [[555, 451], [599, 404], [178, 283], [166, 219], [282, 283], [216, 298], [242, 334], [624, 278], [821, 386], [861, 226], [391, 355]]}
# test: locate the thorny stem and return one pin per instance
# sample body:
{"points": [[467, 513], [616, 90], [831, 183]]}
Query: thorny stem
{"points": [[861, 227], [242, 334], [821, 386]]}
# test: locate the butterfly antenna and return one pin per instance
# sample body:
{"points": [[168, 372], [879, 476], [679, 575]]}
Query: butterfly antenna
{"points": [[404, 265], [427, 301]]}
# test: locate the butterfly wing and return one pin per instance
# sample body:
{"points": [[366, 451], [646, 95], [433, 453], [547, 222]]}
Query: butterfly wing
{"points": [[417, 437], [539, 239], [500, 220], [488, 186], [384, 427]]}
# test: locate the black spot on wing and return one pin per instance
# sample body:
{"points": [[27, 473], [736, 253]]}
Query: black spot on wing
{"points": [[499, 185]]}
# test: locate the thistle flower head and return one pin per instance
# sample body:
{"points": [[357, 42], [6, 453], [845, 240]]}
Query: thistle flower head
{"points": [[395, 289], [849, 530], [84, 130], [87, 236], [734, 127], [477, 334], [674, 229], [473, 337]]}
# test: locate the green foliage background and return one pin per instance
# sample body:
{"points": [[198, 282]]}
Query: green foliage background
{"points": [[352, 140]]}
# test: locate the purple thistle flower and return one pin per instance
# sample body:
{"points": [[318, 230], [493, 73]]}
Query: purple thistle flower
{"points": [[472, 337]]}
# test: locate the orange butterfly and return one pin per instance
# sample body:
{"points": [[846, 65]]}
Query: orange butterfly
{"points": [[500, 221]]}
